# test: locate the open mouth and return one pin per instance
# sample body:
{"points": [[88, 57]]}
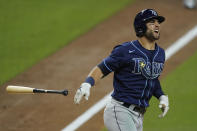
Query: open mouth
{"points": [[156, 31]]}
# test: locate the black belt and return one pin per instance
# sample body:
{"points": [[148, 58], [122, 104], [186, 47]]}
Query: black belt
{"points": [[138, 109]]}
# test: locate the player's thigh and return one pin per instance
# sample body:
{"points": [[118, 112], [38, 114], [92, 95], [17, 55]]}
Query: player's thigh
{"points": [[118, 118]]}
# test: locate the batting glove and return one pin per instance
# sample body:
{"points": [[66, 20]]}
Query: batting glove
{"points": [[163, 105], [84, 90]]}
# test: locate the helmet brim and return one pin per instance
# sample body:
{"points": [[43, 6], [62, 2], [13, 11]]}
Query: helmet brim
{"points": [[159, 18]]}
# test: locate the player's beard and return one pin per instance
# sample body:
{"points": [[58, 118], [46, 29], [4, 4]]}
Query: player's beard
{"points": [[151, 36]]}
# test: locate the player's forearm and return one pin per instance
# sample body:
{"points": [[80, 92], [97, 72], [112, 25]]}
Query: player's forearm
{"points": [[84, 90], [158, 90], [96, 74]]}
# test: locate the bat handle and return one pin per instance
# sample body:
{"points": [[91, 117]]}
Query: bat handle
{"points": [[39, 90], [63, 92]]}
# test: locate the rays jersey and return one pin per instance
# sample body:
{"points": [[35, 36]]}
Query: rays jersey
{"points": [[136, 71]]}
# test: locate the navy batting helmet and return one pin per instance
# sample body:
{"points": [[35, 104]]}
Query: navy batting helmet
{"points": [[142, 18]]}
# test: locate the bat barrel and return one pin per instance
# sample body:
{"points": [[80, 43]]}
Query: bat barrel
{"points": [[19, 89]]}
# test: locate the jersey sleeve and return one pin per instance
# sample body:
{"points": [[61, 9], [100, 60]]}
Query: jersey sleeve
{"points": [[113, 62], [164, 54], [158, 90]]}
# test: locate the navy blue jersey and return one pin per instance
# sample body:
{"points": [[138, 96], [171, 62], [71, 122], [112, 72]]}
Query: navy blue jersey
{"points": [[136, 71]]}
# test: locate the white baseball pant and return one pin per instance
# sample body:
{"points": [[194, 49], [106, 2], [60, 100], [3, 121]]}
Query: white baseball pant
{"points": [[120, 118]]}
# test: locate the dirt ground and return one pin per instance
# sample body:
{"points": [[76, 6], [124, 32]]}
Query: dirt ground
{"points": [[67, 68]]}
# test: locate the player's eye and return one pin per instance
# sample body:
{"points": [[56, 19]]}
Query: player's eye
{"points": [[152, 21]]}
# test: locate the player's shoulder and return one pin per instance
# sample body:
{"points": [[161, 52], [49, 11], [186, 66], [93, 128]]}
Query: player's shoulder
{"points": [[123, 46], [120, 49], [161, 50], [161, 53]]}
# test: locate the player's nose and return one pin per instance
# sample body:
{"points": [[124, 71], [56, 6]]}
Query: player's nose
{"points": [[157, 24]]}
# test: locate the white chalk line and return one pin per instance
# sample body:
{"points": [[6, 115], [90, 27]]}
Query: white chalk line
{"points": [[181, 42], [170, 51]]}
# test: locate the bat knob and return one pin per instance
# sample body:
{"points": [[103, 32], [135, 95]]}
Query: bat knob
{"points": [[65, 92]]}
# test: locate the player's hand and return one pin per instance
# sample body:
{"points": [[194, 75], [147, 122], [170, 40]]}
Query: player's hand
{"points": [[84, 90], [163, 105]]}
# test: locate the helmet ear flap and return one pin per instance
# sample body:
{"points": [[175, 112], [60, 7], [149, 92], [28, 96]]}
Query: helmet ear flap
{"points": [[140, 31]]}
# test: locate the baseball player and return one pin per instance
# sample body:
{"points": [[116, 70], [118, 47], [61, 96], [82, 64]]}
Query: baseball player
{"points": [[136, 65]]}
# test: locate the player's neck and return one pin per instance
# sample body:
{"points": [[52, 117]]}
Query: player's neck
{"points": [[149, 45]]}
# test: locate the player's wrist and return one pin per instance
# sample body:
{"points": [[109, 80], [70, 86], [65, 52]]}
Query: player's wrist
{"points": [[85, 85], [164, 100], [90, 80], [164, 105]]}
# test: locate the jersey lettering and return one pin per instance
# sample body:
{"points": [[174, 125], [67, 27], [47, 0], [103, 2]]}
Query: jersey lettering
{"points": [[138, 62], [147, 69]]}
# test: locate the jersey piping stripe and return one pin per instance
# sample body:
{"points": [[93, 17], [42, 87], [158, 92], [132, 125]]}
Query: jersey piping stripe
{"points": [[146, 79], [139, 50], [151, 84], [107, 66], [116, 118], [156, 54], [139, 102], [144, 90]]}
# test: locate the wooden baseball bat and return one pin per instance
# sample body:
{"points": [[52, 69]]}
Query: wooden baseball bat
{"points": [[29, 90]]}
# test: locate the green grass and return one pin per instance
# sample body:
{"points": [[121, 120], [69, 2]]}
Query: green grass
{"points": [[31, 30], [181, 87]]}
